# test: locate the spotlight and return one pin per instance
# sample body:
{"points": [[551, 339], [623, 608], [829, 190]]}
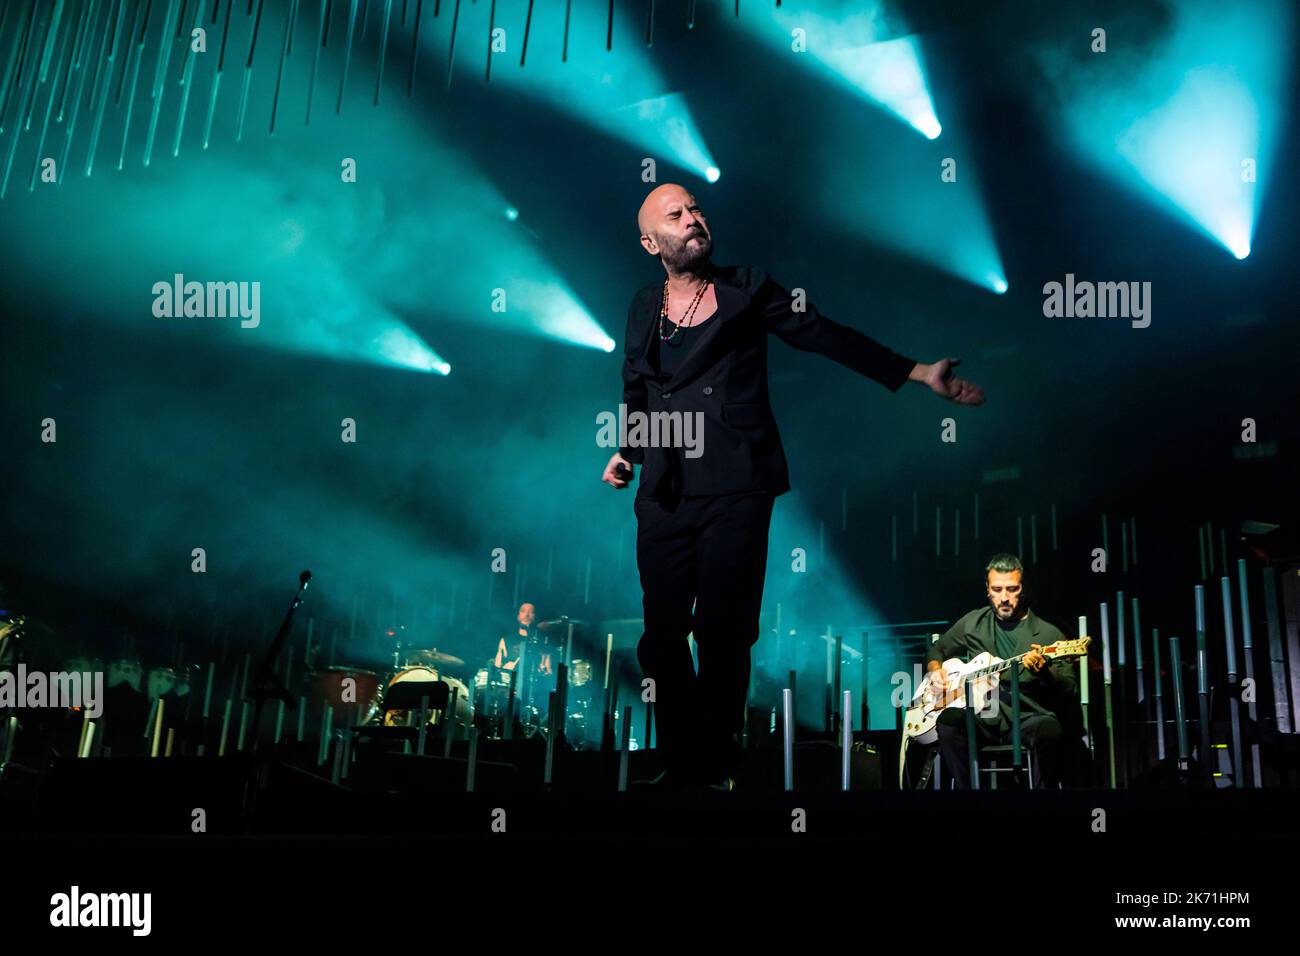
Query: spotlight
{"points": [[512, 213], [712, 174], [998, 284], [1206, 105]]}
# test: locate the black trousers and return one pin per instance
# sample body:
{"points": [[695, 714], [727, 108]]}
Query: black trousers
{"points": [[702, 563], [1039, 732]]}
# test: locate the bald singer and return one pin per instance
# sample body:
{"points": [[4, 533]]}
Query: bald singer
{"points": [[696, 344]]}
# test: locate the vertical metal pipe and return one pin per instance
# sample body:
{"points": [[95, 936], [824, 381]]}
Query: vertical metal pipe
{"points": [[1160, 700], [11, 735], [846, 737], [326, 729], [787, 742], [1137, 653], [866, 699], [623, 756], [552, 727], [40, 155], [1205, 755], [415, 48], [1276, 658], [449, 722], [1015, 719], [225, 729], [1121, 690], [160, 74], [338, 106], [207, 695], [972, 747], [562, 697], [423, 725], [322, 25], [1248, 654], [839, 669], [472, 763], [87, 741], [284, 54], [509, 732], [1234, 689], [1083, 686], [1106, 690], [1180, 714], [25, 91], [187, 84]]}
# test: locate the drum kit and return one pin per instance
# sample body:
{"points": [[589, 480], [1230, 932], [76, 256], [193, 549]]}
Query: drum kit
{"points": [[483, 700]]}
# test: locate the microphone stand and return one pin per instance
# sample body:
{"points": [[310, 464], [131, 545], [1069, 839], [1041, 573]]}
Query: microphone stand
{"points": [[266, 683]]}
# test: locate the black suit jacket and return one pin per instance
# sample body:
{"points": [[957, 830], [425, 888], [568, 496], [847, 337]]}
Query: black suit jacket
{"points": [[725, 378]]}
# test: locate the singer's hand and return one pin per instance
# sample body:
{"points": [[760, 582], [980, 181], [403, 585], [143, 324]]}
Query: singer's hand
{"points": [[938, 377], [611, 475]]}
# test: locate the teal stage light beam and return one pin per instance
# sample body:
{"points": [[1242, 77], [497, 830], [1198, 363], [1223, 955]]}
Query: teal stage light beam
{"points": [[1192, 123], [621, 92], [850, 43], [934, 210]]}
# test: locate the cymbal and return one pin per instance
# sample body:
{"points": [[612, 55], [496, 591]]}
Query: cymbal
{"points": [[559, 622], [434, 656]]}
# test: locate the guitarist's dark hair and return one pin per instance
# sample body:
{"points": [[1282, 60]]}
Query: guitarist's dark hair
{"points": [[1004, 563]]}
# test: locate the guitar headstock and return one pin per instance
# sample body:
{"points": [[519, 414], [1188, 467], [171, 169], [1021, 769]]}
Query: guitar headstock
{"points": [[1078, 647]]}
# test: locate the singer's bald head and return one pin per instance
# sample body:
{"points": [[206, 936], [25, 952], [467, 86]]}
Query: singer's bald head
{"points": [[673, 228], [656, 202]]}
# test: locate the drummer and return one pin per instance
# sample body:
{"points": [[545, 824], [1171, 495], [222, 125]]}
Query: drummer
{"points": [[527, 636]]}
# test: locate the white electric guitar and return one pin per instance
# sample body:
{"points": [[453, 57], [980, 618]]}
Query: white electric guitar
{"points": [[983, 671]]}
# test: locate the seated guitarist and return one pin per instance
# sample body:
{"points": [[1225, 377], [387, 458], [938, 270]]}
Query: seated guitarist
{"points": [[1049, 700]]}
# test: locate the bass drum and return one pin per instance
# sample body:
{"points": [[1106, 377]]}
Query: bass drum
{"points": [[329, 690], [420, 672]]}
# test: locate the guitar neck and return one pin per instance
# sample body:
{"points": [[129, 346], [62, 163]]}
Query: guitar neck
{"points": [[994, 668]]}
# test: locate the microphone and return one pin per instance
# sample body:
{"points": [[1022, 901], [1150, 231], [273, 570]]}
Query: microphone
{"points": [[304, 578], [622, 472]]}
